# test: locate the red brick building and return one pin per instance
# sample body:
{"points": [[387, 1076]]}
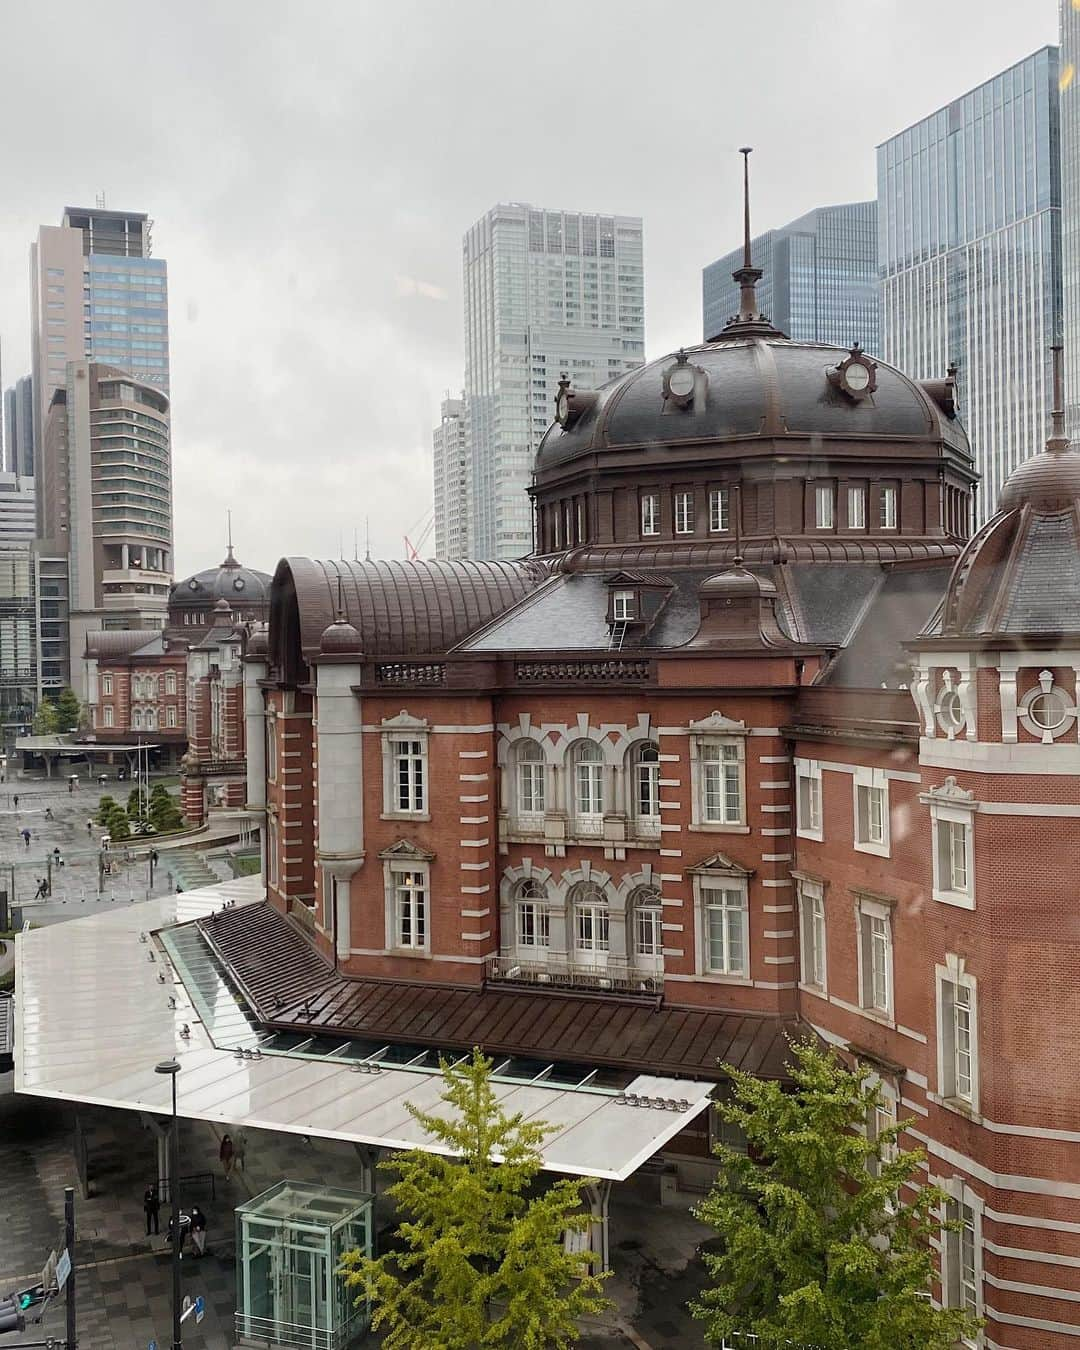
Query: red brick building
{"points": [[181, 689], [757, 741]]}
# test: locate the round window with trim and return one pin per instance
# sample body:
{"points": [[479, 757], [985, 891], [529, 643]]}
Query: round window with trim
{"points": [[950, 711], [193, 585], [1047, 710], [238, 584]]}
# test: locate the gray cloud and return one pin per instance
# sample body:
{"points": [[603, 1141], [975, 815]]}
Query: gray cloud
{"points": [[312, 167]]}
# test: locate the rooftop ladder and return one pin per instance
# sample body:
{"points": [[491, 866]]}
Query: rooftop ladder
{"points": [[617, 636]]}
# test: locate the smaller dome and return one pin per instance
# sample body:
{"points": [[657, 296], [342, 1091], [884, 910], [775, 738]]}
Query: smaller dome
{"points": [[1047, 482], [258, 643], [736, 583], [340, 639]]}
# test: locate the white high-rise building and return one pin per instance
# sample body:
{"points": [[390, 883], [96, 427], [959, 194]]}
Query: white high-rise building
{"points": [[450, 445], [546, 292]]}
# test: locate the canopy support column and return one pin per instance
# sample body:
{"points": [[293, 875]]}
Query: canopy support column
{"points": [[369, 1161], [597, 1194]]}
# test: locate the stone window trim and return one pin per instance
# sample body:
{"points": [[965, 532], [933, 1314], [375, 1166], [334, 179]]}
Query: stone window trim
{"points": [[960, 1197], [874, 983], [951, 804], [808, 772], [719, 872], [1047, 689], [404, 727], [813, 934], [866, 782], [934, 682], [955, 1062], [405, 857], [106, 684], [716, 729]]}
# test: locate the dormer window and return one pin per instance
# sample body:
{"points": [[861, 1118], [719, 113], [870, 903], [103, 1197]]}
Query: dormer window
{"points": [[624, 606]]}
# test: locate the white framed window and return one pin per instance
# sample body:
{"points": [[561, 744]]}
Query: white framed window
{"points": [[871, 811], [647, 928], [151, 721], [856, 508], [718, 510], [684, 513], [137, 720], [170, 681], [650, 513], [888, 516], [410, 909], [961, 1250], [808, 819], [645, 784], [271, 750], [1046, 710], [875, 956], [531, 785], [813, 951], [952, 825], [170, 716], [588, 788], [591, 920], [108, 715], [724, 928], [957, 1033], [624, 606], [273, 845], [106, 684], [824, 507], [880, 1118], [532, 918], [721, 782], [405, 767]]}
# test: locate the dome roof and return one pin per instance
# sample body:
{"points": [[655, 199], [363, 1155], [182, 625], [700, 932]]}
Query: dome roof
{"points": [[735, 583], [229, 581], [759, 385], [258, 644], [340, 639], [1048, 481]]}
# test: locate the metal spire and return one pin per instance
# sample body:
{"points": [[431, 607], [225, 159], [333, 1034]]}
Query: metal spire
{"points": [[1058, 438], [749, 322]]}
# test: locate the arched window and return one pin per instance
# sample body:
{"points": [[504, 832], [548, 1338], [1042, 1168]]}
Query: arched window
{"points": [[532, 919], [136, 719], [589, 907], [588, 788], [645, 786], [530, 786], [151, 719], [646, 917]]}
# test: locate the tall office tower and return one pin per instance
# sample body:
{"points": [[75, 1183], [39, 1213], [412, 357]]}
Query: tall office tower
{"points": [[17, 519], [19, 428], [1070, 211], [969, 218], [450, 444], [545, 292], [106, 492], [96, 293], [820, 282]]}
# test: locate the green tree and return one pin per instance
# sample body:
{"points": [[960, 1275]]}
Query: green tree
{"points": [[68, 710], [107, 808], [163, 812], [137, 804], [816, 1245], [46, 720], [482, 1260]]}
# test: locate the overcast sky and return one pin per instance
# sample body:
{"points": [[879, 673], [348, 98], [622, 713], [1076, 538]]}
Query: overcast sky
{"points": [[311, 168]]}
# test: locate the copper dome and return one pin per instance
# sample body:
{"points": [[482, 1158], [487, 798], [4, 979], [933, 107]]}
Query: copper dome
{"points": [[1048, 481], [340, 639]]}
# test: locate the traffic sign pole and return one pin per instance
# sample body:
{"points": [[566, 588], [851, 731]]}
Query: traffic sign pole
{"points": [[69, 1252]]}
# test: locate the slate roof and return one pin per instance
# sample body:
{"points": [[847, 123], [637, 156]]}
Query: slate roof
{"points": [[292, 988], [899, 607], [111, 643]]}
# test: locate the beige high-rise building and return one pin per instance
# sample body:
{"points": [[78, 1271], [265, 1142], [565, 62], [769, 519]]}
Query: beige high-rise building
{"points": [[105, 498]]}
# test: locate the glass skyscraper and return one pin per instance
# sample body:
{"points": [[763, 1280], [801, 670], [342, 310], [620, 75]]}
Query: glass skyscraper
{"points": [[969, 217], [820, 278], [545, 292], [1070, 211]]}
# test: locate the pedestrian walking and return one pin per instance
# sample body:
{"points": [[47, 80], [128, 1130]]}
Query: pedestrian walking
{"points": [[198, 1230], [26, 836], [42, 889], [151, 1208], [89, 829], [71, 786], [16, 801], [48, 813], [227, 1154], [57, 857]]}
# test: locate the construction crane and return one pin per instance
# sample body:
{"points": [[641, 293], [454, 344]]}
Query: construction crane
{"points": [[425, 524]]}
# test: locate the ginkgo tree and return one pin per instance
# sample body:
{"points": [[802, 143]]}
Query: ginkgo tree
{"points": [[481, 1257], [818, 1244]]}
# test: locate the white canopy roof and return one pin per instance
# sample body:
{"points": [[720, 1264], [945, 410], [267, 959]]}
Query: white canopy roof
{"points": [[92, 1020]]}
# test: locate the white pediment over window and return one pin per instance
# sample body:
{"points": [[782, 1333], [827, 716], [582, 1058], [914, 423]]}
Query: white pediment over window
{"points": [[950, 791], [716, 724], [406, 851], [719, 865], [404, 721]]}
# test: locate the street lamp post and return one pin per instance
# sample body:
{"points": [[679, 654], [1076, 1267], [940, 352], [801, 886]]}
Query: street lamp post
{"points": [[172, 1068]]}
